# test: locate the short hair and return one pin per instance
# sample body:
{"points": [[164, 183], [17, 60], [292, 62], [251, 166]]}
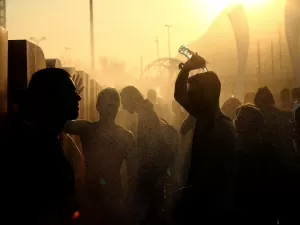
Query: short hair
{"points": [[256, 116], [264, 97], [232, 103], [208, 80], [249, 98], [151, 92], [47, 81], [296, 93], [285, 92], [131, 92], [109, 93]]}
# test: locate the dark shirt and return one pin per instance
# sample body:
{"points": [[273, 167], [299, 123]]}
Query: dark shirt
{"points": [[43, 177], [212, 155], [259, 171]]}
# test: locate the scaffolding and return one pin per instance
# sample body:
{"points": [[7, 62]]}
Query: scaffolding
{"points": [[2, 14]]}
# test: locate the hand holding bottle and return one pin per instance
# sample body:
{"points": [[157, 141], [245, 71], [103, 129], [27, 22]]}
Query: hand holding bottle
{"points": [[194, 60], [194, 63]]}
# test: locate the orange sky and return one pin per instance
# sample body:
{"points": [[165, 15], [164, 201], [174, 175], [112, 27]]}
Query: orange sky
{"points": [[124, 29]]}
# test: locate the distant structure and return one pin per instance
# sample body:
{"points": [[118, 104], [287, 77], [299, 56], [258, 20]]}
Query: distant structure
{"points": [[2, 14]]}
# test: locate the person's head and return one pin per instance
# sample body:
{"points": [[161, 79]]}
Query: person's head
{"points": [[229, 107], [285, 96], [295, 94], [108, 103], [264, 98], [151, 96], [249, 98], [131, 98], [204, 92], [51, 96], [249, 121]]}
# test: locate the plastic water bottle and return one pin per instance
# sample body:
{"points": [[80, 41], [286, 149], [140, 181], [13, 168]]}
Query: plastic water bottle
{"points": [[183, 50]]}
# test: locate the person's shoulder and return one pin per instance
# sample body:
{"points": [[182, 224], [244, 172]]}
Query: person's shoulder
{"points": [[80, 122], [86, 122], [124, 132], [224, 123], [224, 129]]}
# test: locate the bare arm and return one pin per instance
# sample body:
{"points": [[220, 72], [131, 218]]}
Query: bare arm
{"points": [[75, 127]]}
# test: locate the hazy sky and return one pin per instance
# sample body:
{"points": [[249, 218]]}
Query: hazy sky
{"points": [[124, 29]]}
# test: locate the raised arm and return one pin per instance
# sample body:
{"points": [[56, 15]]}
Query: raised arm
{"points": [[181, 91]]}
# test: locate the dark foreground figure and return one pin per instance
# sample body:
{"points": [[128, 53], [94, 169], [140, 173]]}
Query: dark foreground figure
{"points": [[41, 180], [207, 197]]}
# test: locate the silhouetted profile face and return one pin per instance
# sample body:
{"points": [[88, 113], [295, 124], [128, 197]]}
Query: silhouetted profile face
{"points": [[249, 120], [131, 98], [204, 92], [108, 104], [52, 95]]}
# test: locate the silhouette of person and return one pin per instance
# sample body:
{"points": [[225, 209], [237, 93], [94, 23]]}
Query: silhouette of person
{"points": [[44, 191], [259, 166], [149, 194], [152, 97], [286, 100], [210, 175], [249, 98], [277, 131], [229, 107], [105, 147]]}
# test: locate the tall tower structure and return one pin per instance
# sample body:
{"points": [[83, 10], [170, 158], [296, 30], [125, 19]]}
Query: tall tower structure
{"points": [[2, 14]]}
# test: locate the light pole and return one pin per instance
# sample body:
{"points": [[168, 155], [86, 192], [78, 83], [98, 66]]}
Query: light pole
{"points": [[37, 40], [157, 47], [92, 35], [258, 64], [169, 26]]}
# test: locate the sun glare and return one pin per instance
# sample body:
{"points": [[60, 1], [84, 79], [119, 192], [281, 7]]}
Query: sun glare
{"points": [[250, 3], [227, 3]]}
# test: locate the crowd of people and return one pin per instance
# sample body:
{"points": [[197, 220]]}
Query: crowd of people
{"points": [[144, 162]]}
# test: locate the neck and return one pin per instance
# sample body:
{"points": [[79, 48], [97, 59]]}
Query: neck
{"points": [[107, 120], [208, 115]]}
